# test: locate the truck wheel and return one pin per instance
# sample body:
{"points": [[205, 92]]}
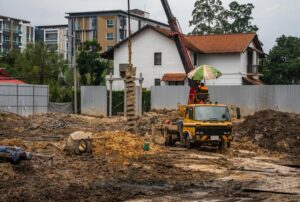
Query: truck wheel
{"points": [[222, 145], [168, 138], [188, 143]]}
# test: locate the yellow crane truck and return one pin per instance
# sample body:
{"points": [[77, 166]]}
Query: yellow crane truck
{"points": [[201, 125]]}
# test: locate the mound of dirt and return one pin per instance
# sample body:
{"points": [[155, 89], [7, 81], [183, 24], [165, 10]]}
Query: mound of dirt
{"points": [[273, 130], [54, 124], [144, 124], [121, 146]]}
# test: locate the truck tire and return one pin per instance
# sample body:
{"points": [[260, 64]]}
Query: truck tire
{"points": [[228, 144], [188, 143], [222, 145], [168, 138]]}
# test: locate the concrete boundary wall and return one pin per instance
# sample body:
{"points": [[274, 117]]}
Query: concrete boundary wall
{"points": [[24, 99], [249, 98]]}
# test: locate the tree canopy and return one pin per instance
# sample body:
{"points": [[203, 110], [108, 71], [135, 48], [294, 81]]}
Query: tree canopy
{"points": [[283, 64], [91, 66], [210, 17], [207, 16], [39, 65]]}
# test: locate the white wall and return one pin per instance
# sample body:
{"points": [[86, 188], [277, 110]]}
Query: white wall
{"points": [[143, 48], [144, 45], [229, 64], [24, 36]]}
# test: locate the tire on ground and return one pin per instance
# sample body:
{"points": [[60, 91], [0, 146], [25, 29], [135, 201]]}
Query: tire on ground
{"points": [[222, 145]]}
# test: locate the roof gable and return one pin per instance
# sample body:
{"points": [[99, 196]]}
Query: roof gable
{"points": [[207, 44]]}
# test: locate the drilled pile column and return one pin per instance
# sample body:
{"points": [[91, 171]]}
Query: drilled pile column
{"points": [[130, 98]]}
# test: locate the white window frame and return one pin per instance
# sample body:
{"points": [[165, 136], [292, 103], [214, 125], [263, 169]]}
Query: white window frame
{"points": [[111, 24], [108, 38]]}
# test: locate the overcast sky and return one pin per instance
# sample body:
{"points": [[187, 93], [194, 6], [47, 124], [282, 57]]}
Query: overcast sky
{"points": [[273, 17]]}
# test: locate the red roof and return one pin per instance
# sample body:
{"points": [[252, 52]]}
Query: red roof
{"points": [[252, 81], [219, 43], [224, 43], [5, 78], [174, 77]]}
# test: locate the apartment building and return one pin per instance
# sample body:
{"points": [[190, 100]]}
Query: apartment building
{"points": [[14, 34], [107, 27], [54, 36]]}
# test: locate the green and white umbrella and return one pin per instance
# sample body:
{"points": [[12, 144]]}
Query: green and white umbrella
{"points": [[204, 72]]}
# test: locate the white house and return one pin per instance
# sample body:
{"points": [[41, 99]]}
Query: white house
{"points": [[154, 54]]}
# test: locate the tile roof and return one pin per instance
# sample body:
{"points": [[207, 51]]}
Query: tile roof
{"points": [[174, 77], [5, 78], [221, 43], [252, 81]]}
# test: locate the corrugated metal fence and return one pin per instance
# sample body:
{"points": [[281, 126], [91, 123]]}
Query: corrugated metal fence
{"points": [[24, 99], [249, 98], [94, 100]]}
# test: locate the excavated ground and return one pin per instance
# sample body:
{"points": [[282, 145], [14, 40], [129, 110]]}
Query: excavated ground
{"points": [[119, 169]]}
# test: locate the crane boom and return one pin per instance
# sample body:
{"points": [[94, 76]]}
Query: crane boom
{"points": [[178, 38]]}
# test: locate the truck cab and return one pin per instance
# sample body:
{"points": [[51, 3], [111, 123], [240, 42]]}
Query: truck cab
{"points": [[202, 125]]}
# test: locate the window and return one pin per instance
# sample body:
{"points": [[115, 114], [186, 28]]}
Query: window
{"points": [[110, 36], [6, 38], [122, 34], [195, 59], [51, 36], [110, 23], [77, 25], [123, 22], [157, 82], [157, 58], [176, 83], [211, 113], [94, 23], [109, 47]]}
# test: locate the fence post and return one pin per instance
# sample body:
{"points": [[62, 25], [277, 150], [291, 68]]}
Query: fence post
{"points": [[110, 95], [33, 95], [18, 99], [141, 94]]}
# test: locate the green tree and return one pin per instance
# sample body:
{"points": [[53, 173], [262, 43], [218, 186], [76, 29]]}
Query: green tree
{"points": [[90, 64], [283, 63], [39, 65], [208, 17], [240, 17]]}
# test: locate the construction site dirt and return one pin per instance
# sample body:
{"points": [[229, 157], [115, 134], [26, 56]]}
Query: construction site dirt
{"points": [[261, 165]]}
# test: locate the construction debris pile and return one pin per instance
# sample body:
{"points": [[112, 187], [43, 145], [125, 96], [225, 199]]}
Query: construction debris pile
{"points": [[54, 124], [272, 130], [122, 145], [145, 123]]}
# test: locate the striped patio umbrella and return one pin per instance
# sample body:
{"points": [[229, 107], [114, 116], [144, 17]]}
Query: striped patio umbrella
{"points": [[204, 72]]}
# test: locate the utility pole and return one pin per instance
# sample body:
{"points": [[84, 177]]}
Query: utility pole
{"points": [[74, 67]]}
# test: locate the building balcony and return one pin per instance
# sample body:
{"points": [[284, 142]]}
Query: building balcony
{"points": [[16, 31], [51, 41], [6, 29], [253, 69], [17, 43]]}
